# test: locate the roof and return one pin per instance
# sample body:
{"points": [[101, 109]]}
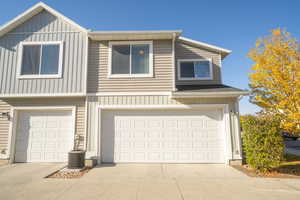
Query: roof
{"points": [[222, 51], [37, 8], [134, 35], [208, 91]]}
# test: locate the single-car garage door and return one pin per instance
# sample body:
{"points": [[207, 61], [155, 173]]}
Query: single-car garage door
{"points": [[178, 136], [44, 136]]}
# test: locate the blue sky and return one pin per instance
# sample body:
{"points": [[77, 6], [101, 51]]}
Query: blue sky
{"points": [[232, 24]]}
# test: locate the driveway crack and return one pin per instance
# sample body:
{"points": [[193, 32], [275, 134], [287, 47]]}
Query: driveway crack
{"points": [[179, 189]]}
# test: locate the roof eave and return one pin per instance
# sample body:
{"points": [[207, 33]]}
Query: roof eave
{"points": [[222, 51], [133, 35], [208, 94]]}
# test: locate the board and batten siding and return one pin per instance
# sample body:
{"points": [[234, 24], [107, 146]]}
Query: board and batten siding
{"points": [[187, 51], [6, 104], [44, 27], [98, 80], [95, 101], [4, 127]]}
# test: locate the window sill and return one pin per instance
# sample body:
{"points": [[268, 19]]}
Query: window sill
{"points": [[39, 76], [195, 79], [130, 76]]}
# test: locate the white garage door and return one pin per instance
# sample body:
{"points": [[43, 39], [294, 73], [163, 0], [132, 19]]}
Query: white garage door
{"points": [[44, 136], [181, 136]]}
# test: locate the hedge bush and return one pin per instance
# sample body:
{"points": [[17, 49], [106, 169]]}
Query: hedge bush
{"points": [[262, 142]]}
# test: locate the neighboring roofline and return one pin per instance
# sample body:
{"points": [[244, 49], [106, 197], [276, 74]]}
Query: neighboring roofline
{"points": [[33, 11], [224, 52]]}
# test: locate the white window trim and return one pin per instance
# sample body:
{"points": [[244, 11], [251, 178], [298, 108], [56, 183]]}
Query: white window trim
{"points": [[195, 78], [38, 76], [150, 74]]}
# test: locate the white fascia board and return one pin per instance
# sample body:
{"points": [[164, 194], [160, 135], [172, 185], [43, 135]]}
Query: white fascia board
{"points": [[33, 11], [205, 45], [133, 35], [42, 95]]}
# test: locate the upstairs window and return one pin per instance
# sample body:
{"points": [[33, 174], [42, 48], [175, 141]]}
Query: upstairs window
{"points": [[41, 60], [131, 59], [200, 69]]}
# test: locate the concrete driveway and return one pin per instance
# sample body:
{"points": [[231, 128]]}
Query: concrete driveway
{"points": [[142, 181]]}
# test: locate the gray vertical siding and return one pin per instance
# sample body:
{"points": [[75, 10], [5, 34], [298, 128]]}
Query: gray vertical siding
{"points": [[4, 127], [44, 27], [186, 51]]}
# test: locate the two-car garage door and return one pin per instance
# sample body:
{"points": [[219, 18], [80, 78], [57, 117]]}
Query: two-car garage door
{"points": [[43, 136], [178, 136]]}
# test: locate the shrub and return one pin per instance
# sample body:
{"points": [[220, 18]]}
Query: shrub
{"points": [[262, 142]]}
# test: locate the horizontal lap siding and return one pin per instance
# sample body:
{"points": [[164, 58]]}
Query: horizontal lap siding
{"points": [[4, 127], [98, 80], [43, 27], [185, 51], [78, 102]]}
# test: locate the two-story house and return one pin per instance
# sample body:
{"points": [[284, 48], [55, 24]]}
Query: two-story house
{"points": [[125, 96]]}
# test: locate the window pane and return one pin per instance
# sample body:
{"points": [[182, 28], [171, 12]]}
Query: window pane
{"points": [[187, 69], [30, 59], [50, 59], [202, 69], [140, 59], [120, 59]]}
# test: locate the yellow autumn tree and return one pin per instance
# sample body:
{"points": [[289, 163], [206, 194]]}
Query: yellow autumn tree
{"points": [[275, 77]]}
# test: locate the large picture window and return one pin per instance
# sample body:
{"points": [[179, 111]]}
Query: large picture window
{"points": [[40, 60], [194, 69], [130, 59]]}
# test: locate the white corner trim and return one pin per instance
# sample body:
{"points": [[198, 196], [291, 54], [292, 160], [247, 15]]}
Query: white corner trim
{"points": [[130, 94], [174, 62], [226, 51], [86, 63], [14, 120], [225, 124], [130, 75], [31, 12], [40, 76], [195, 78], [27, 95]]}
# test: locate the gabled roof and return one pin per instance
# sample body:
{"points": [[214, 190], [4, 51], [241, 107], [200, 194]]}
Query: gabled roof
{"points": [[222, 51], [37, 8]]}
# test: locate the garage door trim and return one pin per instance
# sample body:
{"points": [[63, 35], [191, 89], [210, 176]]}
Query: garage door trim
{"points": [[224, 107], [14, 112]]}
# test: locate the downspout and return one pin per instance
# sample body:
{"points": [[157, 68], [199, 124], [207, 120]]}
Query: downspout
{"points": [[85, 91]]}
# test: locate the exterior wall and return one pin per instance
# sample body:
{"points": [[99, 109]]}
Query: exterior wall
{"points": [[5, 104], [186, 51], [44, 27], [4, 127], [94, 101], [98, 80]]}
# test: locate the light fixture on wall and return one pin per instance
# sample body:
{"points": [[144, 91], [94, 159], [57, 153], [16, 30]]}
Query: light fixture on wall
{"points": [[5, 114]]}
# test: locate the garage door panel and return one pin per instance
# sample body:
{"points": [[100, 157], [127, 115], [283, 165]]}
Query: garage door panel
{"points": [[162, 136], [47, 138]]}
